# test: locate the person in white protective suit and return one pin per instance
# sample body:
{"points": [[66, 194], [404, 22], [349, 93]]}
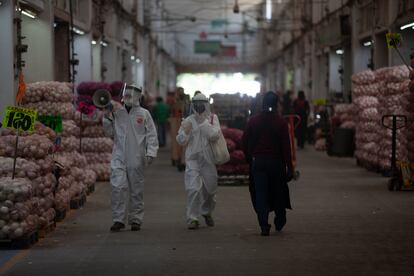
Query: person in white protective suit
{"points": [[196, 132], [135, 146]]}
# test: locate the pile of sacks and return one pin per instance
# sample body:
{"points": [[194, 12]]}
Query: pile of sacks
{"points": [[365, 98], [346, 115], [385, 91], [33, 200], [393, 99], [237, 164]]}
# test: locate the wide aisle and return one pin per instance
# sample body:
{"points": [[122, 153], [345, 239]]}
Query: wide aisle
{"points": [[344, 222]]}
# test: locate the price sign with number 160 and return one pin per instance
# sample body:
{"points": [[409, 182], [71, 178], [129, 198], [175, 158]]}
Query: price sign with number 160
{"points": [[20, 118]]}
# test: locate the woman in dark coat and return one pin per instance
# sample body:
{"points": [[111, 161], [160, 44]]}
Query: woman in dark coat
{"points": [[267, 147]]}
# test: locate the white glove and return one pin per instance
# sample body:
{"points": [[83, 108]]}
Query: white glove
{"points": [[149, 160], [187, 126]]}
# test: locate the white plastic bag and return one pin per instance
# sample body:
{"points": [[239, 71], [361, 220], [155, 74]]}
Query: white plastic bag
{"points": [[220, 152]]}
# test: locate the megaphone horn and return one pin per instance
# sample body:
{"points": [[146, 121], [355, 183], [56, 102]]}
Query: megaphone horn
{"points": [[101, 98]]}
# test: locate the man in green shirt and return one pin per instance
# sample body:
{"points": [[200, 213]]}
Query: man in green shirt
{"points": [[161, 114]]}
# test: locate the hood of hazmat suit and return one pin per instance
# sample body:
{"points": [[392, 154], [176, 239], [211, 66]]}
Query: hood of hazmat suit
{"points": [[270, 102], [131, 95], [200, 108]]}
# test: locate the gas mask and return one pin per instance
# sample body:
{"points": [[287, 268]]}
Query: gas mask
{"points": [[131, 95], [199, 107]]}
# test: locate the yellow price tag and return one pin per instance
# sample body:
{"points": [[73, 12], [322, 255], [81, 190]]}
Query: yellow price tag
{"points": [[394, 40], [20, 118]]}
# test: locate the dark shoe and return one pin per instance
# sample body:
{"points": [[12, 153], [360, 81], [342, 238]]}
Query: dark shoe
{"points": [[193, 225], [209, 220], [117, 226], [280, 221], [181, 167], [265, 231], [135, 227]]}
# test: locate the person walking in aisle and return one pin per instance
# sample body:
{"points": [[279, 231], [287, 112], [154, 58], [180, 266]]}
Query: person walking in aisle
{"points": [[302, 109], [161, 114], [135, 145], [266, 145], [196, 132], [177, 113], [287, 104]]}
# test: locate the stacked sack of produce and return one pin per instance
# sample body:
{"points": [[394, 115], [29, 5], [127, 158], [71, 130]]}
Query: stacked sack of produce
{"points": [[60, 96], [410, 129], [237, 164], [75, 177], [16, 205], [365, 99], [346, 115], [50, 98], [393, 98], [34, 166]]}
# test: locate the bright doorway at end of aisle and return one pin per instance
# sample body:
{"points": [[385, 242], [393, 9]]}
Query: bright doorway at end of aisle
{"points": [[222, 83]]}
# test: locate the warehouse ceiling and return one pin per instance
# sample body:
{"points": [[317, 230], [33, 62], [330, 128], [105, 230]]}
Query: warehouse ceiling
{"points": [[187, 21]]}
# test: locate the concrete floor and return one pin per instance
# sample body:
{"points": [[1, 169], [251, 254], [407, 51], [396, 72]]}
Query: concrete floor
{"points": [[344, 222]]}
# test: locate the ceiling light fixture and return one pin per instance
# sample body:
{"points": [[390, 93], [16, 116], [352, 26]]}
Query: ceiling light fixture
{"points": [[78, 31], [236, 8], [29, 14], [407, 26], [367, 43], [340, 52], [269, 10]]}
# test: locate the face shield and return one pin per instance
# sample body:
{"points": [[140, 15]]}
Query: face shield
{"points": [[131, 95]]}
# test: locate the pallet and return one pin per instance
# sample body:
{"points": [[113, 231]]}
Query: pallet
{"points": [[47, 229], [78, 202], [24, 242], [233, 180], [60, 215], [90, 189]]}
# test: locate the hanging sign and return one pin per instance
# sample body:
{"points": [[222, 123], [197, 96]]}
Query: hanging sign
{"points": [[54, 122], [20, 118], [207, 46], [394, 40]]}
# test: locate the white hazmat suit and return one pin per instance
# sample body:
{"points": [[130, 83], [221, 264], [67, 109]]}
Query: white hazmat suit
{"points": [[200, 173], [135, 141]]}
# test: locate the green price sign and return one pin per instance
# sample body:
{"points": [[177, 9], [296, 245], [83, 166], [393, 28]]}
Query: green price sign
{"points": [[20, 118], [54, 122]]}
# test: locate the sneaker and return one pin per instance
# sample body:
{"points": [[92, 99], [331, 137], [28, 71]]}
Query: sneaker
{"points": [[280, 222], [135, 227], [209, 220], [193, 225], [117, 226]]}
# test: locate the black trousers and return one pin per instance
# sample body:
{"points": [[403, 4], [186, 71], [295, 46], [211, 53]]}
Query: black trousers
{"points": [[269, 189], [301, 132]]}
